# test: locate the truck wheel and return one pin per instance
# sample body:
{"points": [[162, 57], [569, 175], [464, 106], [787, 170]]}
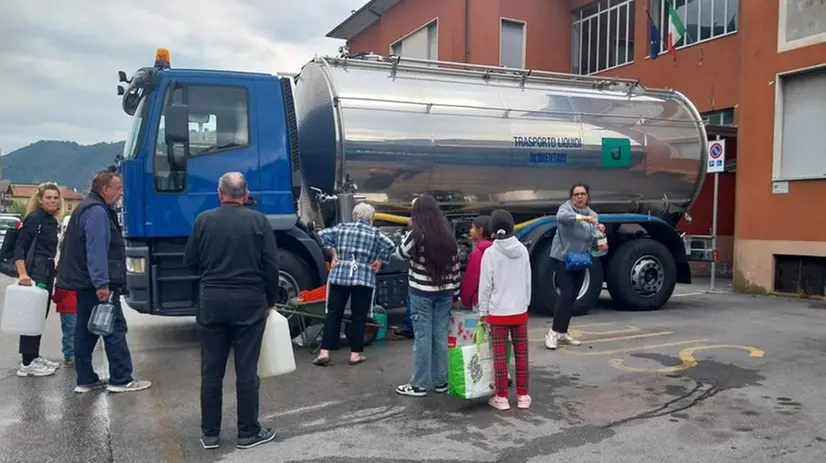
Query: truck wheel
{"points": [[294, 276], [544, 295], [641, 275]]}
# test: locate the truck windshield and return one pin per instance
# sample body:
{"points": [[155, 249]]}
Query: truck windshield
{"points": [[130, 148]]}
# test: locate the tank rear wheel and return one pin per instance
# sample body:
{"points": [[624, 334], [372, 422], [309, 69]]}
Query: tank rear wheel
{"points": [[642, 275]]}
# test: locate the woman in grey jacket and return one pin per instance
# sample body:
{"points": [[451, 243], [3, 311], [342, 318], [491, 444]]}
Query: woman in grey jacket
{"points": [[576, 223]]}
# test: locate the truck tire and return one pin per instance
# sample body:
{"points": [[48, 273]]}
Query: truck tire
{"points": [[294, 276], [641, 275], [544, 295]]}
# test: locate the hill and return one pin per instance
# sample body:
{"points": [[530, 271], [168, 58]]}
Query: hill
{"points": [[64, 162]]}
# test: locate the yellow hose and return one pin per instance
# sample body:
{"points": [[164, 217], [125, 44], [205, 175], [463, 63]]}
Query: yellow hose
{"points": [[402, 220]]}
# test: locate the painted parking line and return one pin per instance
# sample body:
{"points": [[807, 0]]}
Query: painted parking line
{"points": [[578, 333], [627, 338], [577, 351], [588, 336], [687, 359], [697, 293], [614, 339]]}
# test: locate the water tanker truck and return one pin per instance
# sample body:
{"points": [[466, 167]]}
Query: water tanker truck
{"points": [[385, 130]]}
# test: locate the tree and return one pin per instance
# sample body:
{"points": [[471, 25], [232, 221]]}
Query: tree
{"points": [[18, 206]]}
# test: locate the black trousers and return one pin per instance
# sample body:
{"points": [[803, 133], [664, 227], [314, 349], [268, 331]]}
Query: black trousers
{"points": [[30, 345], [230, 319], [360, 299], [569, 284]]}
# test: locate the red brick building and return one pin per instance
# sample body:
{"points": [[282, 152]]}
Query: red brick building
{"points": [[757, 67]]}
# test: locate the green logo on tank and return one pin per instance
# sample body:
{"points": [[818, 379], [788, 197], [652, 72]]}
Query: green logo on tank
{"points": [[616, 153]]}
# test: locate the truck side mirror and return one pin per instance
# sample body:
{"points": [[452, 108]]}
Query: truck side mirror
{"points": [[176, 124]]}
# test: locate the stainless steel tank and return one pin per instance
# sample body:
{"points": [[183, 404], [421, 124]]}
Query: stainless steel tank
{"points": [[480, 137]]}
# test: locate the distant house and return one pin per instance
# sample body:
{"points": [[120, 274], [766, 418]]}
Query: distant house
{"points": [[5, 195], [24, 191]]}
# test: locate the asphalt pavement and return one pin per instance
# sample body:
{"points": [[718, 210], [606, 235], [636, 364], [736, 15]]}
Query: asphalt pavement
{"points": [[710, 378]]}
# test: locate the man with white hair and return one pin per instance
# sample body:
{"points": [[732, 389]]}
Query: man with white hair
{"points": [[358, 249], [233, 248]]}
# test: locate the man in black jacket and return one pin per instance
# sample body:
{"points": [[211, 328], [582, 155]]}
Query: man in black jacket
{"points": [[93, 264], [235, 252]]}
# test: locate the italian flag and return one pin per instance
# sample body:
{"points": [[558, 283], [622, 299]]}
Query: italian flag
{"points": [[676, 28]]}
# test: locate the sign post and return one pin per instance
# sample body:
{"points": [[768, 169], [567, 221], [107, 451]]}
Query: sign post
{"points": [[716, 165]]}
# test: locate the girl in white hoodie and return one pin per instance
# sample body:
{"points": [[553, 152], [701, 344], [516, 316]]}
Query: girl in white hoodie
{"points": [[504, 295]]}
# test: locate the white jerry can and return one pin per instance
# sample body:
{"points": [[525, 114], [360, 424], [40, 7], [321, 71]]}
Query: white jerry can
{"points": [[24, 310], [277, 356]]}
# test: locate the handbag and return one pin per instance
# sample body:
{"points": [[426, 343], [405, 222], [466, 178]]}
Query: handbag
{"points": [[575, 261], [7, 266]]}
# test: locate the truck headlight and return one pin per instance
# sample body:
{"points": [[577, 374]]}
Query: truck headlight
{"points": [[135, 264]]}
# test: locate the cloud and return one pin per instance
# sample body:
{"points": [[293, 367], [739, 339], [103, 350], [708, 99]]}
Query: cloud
{"points": [[60, 58]]}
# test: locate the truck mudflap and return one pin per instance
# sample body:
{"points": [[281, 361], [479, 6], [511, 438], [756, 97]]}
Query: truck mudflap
{"points": [[138, 277]]}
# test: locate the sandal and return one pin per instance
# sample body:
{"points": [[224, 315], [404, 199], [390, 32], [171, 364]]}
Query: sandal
{"points": [[321, 361], [357, 361]]}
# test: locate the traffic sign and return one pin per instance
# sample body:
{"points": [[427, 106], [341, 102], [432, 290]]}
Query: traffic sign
{"points": [[716, 156]]}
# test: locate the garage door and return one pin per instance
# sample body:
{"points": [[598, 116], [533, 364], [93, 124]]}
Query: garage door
{"points": [[803, 138]]}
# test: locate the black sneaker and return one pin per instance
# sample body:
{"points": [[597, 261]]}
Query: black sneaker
{"points": [[440, 389], [264, 435], [404, 333], [210, 442], [410, 390]]}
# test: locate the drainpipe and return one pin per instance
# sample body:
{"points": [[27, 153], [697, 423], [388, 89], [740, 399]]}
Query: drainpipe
{"points": [[467, 31]]}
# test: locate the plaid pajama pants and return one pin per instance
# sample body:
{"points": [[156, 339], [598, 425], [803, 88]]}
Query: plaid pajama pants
{"points": [[499, 341]]}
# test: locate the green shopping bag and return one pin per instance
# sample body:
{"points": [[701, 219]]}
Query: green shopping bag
{"points": [[470, 368]]}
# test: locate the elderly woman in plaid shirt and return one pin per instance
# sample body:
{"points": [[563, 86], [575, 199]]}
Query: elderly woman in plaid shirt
{"points": [[359, 249]]}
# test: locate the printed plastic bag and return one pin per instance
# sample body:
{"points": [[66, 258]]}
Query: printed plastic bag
{"points": [[470, 368], [102, 319], [463, 324]]}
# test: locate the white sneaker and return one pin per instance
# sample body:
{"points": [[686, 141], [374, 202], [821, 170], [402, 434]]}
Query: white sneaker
{"points": [[551, 340], [134, 386], [46, 362], [90, 387], [566, 338], [35, 369]]}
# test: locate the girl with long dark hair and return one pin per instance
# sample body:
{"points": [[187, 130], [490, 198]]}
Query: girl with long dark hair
{"points": [[433, 282]]}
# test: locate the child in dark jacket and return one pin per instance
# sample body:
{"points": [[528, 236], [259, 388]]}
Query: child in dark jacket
{"points": [[66, 302], [480, 234]]}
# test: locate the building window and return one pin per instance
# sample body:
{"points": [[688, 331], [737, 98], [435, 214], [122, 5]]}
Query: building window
{"points": [[801, 275], [603, 36], [694, 21], [721, 117], [422, 43], [512, 44], [800, 116], [801, 24]]}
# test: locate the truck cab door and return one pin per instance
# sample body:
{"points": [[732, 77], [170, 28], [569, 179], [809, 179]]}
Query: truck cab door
{"points": [[204, 131]]}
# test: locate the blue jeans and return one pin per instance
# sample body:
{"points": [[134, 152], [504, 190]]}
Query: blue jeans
{"points": [[408, 321], [68, 321], [431, 316], [117, 351]]}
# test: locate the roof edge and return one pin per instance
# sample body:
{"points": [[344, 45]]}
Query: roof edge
{"points": [[365, 15]]}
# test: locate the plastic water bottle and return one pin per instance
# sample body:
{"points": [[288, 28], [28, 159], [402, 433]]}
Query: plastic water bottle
{"points": [[24, 310], [276, 356]]}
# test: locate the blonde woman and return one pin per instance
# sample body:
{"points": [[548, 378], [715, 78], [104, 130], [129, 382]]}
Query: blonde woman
{"points": [[34, 257]]}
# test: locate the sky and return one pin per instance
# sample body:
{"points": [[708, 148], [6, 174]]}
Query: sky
{"points": [[60, 58]]}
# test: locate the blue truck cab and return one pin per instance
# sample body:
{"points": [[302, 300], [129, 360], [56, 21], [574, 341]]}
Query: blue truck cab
{"points": [[189, 128]]}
